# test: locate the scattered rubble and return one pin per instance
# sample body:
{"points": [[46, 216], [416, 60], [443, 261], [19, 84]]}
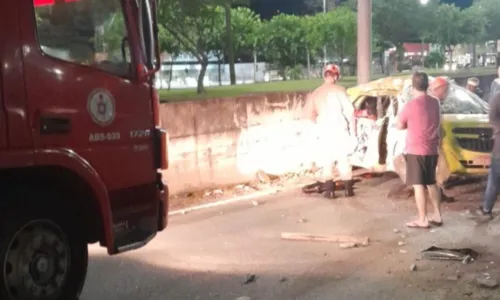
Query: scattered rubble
{"points": [[487, 282], [347, 245], [401, 243], [455, 277], [465, 255], [413, 267], [403, 251], [396, 230], [302, 220], [250, 278]]}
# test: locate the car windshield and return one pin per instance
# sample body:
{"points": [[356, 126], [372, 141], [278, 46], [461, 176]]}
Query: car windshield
{"points": [[87, 32], [459, 101]]}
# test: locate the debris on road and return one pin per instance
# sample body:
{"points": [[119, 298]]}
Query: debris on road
{"points": [[453, 277], [396, 230], [413, 267], [250, 278], [465, 255], [303, 220], [319, 187], [243, 298], [487, 282], [401, 243], [348, 245], [403, 251], [283, 279], [295, 236]]}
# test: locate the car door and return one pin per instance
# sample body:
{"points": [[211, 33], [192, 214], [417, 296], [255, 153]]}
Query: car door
{"points": [[367, 151], [82, 92]]}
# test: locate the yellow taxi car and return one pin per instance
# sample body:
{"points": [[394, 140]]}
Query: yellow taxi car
{"points": [[467, 137]]}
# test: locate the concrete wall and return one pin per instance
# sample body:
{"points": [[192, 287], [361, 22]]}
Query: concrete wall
{"points": [[226, 141]]}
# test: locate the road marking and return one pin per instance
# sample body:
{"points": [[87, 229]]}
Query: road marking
{"points": [[223, 202]]}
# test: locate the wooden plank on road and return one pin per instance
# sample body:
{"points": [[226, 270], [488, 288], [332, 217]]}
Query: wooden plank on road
{"points": [[296, 236]]}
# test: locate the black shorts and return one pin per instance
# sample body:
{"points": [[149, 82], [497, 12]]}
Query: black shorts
{"points": [[421, 169]]}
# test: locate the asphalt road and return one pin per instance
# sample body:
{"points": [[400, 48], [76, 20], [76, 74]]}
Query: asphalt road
{"points": [[209, 254]]}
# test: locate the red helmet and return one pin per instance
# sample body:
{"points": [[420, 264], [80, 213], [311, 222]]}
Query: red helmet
{"points": [[439, 82], [331, 69]]}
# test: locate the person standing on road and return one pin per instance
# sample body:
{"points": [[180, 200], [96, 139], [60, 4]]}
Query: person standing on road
{"points": [[473, 86], [439, 89], [421, 117], [495, 85], [493, 184], [333, 112]]}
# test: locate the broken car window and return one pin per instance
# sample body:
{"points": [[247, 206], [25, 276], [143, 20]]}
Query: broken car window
{"points": [[459, 101]]}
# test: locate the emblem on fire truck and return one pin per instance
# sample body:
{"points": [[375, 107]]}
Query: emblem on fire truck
{"points": [[101, 106]]}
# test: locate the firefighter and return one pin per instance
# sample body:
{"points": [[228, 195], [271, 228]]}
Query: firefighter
{"points": [[333, 112]]}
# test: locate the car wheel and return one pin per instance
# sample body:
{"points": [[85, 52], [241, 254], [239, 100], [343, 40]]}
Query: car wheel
{"points": [[42, 257]]}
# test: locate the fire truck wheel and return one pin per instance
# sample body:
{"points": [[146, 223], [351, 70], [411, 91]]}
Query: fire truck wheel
{"points": [[42, 257]]}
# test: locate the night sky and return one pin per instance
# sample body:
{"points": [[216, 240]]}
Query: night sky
{"points": [[267, 8]]}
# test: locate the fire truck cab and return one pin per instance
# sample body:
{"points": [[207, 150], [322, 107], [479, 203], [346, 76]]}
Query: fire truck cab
{"points": [[81, 147]]}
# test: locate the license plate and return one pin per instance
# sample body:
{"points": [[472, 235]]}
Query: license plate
{"points": [[483, 160]]}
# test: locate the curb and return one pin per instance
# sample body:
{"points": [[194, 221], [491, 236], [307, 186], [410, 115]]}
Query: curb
{"points": [[224, 202]]}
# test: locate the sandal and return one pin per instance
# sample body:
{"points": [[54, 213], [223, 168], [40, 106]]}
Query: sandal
{"points": [[416, 225], [435, 224]]}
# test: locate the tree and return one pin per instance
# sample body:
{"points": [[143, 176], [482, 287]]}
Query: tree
{"points": [[490, 10], [218, 43], [282, 43], [379, 46], [245, 27], [448, 31], [229, 36], [473, 28], [169, 44], [314, 37], [193, 24], [342, 25], [396, 21], [246, 30]]}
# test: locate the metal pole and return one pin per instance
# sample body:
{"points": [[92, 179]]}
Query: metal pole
{"points": [[364, 60], [324, 47]]}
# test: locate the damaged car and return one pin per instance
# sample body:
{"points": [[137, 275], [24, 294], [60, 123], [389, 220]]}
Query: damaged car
{"points": [[467, 137]]}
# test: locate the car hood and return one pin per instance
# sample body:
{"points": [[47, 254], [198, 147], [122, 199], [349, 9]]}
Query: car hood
{"points": [[466, 119], [387, 86]]}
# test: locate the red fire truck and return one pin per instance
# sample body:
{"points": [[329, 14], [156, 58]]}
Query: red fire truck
{"points": [[81, 149]]}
